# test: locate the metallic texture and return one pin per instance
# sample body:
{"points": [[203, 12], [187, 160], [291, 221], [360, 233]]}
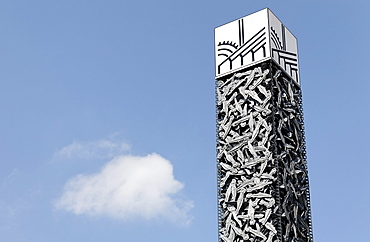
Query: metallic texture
{"points": [[263, 189]]}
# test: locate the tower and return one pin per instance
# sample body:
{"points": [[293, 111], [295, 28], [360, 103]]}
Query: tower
{"points": [[263, 188]]}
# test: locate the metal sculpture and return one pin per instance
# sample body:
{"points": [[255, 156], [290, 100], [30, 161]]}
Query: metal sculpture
{"points": [[263, 187]]}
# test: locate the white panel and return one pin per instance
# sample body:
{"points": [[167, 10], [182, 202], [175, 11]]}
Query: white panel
{"points": [[242, 42], [252, 39], [291, 41], [276, 32], [284, 47]]}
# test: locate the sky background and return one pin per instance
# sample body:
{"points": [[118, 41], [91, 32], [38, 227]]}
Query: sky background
{"points": [[107, 128]]}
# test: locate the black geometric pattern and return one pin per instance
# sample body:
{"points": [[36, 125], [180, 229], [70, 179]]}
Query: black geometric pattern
{"points": [[249, 48], [287, 60]]}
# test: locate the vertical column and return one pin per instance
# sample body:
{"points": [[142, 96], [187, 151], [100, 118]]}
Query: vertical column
{"points": [[290, 154], [263, 189], [247, 169], [262, 173]]}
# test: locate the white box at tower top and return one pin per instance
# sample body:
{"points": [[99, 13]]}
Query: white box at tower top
{"points": [[253, 39]]}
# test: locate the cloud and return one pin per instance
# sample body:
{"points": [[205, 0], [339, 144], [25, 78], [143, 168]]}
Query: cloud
{"points": [[99, 149], [128, 187]]}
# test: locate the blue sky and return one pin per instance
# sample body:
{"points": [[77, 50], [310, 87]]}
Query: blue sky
{"points": [[96, 92]]}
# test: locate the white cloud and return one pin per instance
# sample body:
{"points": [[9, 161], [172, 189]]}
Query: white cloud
{"points": [[99, 149], [128, 187]]}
